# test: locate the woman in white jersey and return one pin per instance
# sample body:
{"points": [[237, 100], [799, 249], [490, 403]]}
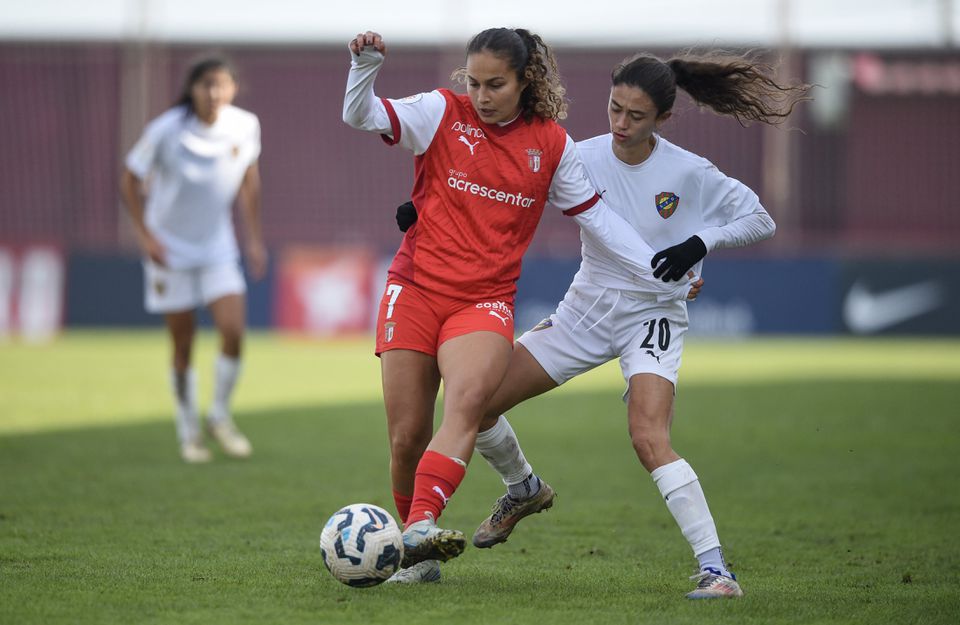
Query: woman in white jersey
{"points": [[180, 182], [680, 203], [486, 164]]}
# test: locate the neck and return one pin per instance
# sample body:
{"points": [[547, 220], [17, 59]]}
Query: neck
{"points": [[511, 120], [634, 155], [209, 118]]}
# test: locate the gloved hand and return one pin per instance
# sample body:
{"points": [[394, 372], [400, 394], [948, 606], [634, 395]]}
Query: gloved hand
{"points": [[406, 216], [678, 260]]}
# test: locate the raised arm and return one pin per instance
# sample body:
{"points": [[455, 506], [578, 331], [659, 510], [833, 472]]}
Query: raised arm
{"points": [[362, 109]]}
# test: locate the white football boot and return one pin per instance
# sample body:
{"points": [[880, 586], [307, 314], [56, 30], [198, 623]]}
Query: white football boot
{"points": [[193, 451], [712, 585], [423, 540], [230, 439], [425, 572]]}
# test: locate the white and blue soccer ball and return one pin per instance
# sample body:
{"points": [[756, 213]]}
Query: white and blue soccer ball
{"points": [[361, 545]]}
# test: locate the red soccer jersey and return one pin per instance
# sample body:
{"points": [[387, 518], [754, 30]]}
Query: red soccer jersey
{"points": [[479, 191]]}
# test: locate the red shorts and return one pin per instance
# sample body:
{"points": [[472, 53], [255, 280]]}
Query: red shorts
{"points": [[413, 318]]}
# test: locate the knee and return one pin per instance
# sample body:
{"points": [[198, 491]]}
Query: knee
{"points": [[182, 348], [232, 338], [650, 442], [468, 401], [406, 448]]}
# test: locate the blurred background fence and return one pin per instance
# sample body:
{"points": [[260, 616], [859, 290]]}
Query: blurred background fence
{"points": [[863, 183]]}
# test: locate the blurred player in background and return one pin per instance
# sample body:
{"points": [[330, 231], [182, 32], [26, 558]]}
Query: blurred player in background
{"points": [[686, 207], [190, 164], [485, 165]]}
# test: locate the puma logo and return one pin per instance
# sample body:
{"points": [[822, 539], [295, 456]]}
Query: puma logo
{"points": [[468, 144], [654, 355], [443, 496], [502, 319]]}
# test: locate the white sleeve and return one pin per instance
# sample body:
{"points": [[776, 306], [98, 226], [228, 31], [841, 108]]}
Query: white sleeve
{"points": [[255, 146], [624, 246], [141, 158], [412, 122], [572, 191], [735, 209]]}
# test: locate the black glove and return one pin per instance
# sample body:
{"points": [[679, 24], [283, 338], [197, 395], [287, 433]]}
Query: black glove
{"points": [[406, 216], [678, 260]]}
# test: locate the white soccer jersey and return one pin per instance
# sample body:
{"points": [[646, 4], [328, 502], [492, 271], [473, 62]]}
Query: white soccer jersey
{"points": [[194, 172], [671, 196]]}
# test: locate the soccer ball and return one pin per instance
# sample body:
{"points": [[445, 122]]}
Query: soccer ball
{"points": [[361, 545]]}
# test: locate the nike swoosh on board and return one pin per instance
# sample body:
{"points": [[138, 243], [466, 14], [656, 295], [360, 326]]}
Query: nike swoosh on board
{"points": [[866, 312]]}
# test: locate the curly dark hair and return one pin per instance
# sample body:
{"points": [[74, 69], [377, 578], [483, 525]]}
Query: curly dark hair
{"points": [[533, 61]]}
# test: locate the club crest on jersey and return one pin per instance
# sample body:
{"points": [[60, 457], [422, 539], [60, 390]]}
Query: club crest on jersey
{"points": [[533, 159], [667, 203], [388, 331]]}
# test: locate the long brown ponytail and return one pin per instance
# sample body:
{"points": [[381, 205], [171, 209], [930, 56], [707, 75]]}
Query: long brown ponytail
{"points": [[735, 85]]}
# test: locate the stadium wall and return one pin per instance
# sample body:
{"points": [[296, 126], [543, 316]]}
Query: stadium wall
{"points": [[862, 182], [333, 291]]}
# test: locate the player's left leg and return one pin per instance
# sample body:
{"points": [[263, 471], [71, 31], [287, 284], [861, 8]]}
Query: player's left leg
{"points": [[650, 413], [229, 317], [472, 366]]}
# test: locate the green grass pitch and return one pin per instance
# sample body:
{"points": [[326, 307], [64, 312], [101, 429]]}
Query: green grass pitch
{"points": [[830, 467]]}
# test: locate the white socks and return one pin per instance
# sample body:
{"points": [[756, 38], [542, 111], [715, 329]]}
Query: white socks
{"points": [[499, 447], [226, 372], [184, 387], [685, 499]]}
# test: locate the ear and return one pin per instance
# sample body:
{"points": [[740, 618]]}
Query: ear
{"points": [[662, 118]]}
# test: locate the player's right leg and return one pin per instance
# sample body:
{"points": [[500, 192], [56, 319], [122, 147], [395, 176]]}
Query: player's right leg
{"points": [[568, 343], [411, 381], [173, 294], [498, 444], [182, 327]]}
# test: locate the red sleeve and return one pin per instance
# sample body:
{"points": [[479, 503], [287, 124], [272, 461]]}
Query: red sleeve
{"points": [[394, 123], [576, 210]]}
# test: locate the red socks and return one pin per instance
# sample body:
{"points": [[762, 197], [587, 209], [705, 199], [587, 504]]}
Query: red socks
{"points": [[438, 476], [403, 506]]}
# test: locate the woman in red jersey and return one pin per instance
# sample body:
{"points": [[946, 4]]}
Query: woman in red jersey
{"points": [[486, 163]]}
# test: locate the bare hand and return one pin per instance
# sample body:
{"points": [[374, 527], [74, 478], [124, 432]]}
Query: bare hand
{"points": [[153, 249], [695, 287], [368, 39], [257, 260]]}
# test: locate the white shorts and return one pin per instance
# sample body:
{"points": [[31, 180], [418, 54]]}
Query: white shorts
{"points": [[593, 325], [178, 290]]}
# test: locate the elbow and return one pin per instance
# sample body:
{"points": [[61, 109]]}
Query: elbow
{"points": [[349, 118], [771, 227], [128, 181]]}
